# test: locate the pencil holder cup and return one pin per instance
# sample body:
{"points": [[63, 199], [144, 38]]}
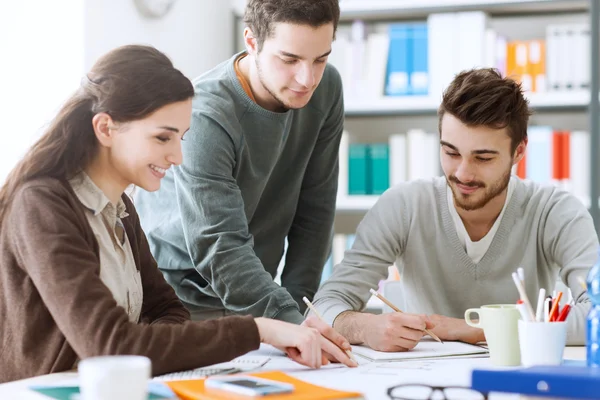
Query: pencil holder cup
{"points": [[499, 324], [542, 343]]}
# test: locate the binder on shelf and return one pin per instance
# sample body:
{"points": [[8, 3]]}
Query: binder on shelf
{"points": [[397, 158], [355, 86], [419, 70], [379, 159], [568, 382], [471, 28], [378, 45], [553, 69], [536, 65], [579, 164], [343, 166], [581, 56], [358, 168], [442, 48], [539, 154], [399, 61]]}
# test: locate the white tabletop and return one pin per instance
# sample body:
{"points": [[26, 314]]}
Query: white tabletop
{"points": [[371, 379]]}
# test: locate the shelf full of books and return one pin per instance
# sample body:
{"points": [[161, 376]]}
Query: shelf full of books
{"points": [[403, 68], [379, 9], [557, 157]]}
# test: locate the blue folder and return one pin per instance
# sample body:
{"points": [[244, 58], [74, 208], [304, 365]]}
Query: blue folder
{"points": [[563, 381]]}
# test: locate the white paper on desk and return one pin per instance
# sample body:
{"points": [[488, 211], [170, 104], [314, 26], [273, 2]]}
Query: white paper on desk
{"points": [[243, 363], [426, 349]]}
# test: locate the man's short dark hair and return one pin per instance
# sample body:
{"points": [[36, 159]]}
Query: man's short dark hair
{"points": [[482, 97], [262, 15]]}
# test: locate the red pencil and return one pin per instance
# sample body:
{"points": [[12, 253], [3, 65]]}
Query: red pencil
{"points": [[564, 313]]}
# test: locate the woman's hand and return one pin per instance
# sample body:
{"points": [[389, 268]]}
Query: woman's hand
{"points": [[303, 344]]}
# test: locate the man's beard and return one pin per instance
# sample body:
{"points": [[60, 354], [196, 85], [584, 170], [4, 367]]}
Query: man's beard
{"points": [[489, 193], [283, 105]]}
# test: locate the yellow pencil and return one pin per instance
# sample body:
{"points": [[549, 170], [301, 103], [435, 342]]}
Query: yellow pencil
{"points": [[393, 307], [313, 309], [582, 283]]}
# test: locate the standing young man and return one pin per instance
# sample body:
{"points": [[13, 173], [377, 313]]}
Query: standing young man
{"points": [[457, 239], [259, 166]]}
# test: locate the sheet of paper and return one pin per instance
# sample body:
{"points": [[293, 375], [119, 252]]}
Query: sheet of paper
{"points": [[243, 363], [426, 349], [381, 376]]}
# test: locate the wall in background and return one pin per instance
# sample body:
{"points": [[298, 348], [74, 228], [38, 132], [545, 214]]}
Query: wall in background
{"points": [[196, 34], [47, 46]]}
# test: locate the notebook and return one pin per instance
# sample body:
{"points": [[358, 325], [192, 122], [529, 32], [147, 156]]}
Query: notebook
{"points": [[562, 381], [195, 390], [239, 364], [425, 349]]}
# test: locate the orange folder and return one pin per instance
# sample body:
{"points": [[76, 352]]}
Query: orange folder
{"points": [[195, 390]]}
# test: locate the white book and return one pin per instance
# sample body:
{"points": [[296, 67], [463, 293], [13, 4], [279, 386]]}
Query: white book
{"points": [[425, 349], [553, 34], [339, 57], [356, 84], [491, 38], [581, 55], [471, 28], [566, 63], [338, 248], [344, 171], [398, 162], [442, 47], [377, 50], [432, 150], [415, 140], [423, 154], [580, 165], [501, 52]]}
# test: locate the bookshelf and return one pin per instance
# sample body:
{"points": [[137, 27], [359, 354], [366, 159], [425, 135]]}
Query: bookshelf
{"points": [[413, 105], [415, 9], [575, 107]]}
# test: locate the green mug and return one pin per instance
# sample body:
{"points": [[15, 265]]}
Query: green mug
{"points": [[501, 328]]}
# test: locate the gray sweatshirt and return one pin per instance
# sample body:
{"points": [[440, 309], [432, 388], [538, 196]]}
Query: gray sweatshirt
{"points": [[546, 231], [249, 179]]}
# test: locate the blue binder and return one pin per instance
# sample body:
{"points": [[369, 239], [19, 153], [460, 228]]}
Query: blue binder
{"points": [[564, 381]]}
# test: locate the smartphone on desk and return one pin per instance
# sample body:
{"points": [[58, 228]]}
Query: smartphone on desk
{"points": [[248, 385]]}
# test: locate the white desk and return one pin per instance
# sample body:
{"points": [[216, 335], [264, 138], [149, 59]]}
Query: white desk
{"points": [[370, 379]]}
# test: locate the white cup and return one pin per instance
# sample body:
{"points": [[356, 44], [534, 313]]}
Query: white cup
{"points": [[114, 378], [542, 343]]}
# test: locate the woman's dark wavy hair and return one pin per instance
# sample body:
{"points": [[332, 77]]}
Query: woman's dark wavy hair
{"points": [[128, 83]]}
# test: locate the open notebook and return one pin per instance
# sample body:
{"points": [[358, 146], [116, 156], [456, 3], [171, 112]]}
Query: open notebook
{"points": [[239, 364], [426, 349]]}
